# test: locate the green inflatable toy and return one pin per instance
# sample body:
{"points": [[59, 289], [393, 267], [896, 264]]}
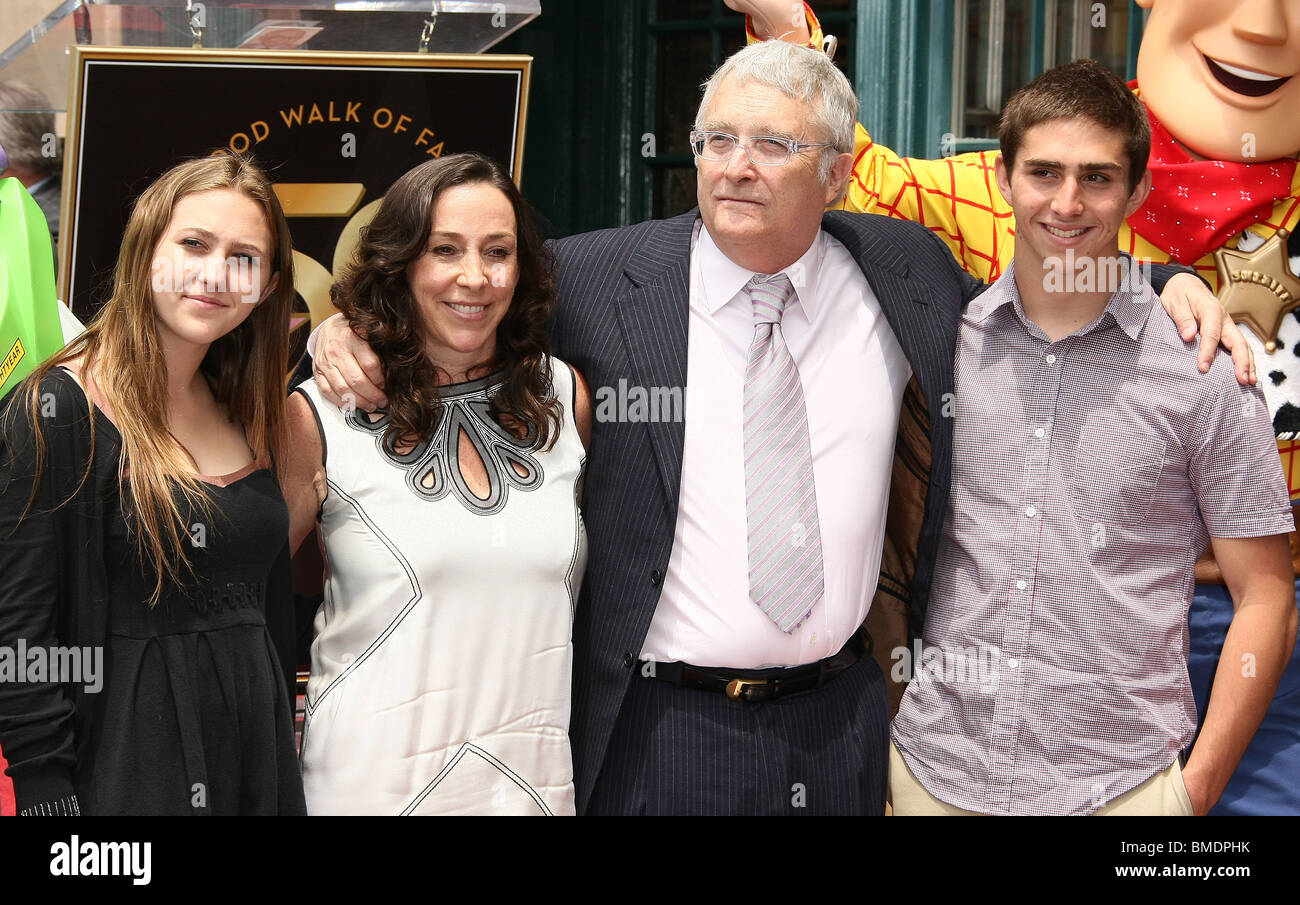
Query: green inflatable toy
{"points": [[29, 311]]}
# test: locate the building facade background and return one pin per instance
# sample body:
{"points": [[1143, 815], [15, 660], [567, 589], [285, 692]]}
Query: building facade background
{"points": [[616, 85]]}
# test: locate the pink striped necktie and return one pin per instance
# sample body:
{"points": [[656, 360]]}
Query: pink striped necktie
{"points": [[785, 543]]}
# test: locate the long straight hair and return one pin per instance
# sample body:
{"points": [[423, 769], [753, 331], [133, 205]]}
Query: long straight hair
{"points": [[247, 368]]}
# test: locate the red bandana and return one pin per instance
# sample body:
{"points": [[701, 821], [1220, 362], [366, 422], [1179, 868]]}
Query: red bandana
{"points": [[1196, 206]]}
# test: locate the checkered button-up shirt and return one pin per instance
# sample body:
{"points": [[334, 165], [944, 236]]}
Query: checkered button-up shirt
{"points": [[1088, 475]]}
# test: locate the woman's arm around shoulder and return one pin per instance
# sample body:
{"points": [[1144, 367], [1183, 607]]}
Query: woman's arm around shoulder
{"points": [[582, 415], [302, 470]]}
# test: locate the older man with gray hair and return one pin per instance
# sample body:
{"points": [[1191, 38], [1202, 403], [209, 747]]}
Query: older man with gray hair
{"points": [[720, 666], [719, 663], [28, 137]]}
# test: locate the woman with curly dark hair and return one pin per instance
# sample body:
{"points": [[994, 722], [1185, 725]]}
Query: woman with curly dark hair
{"points": [[441, 660]]}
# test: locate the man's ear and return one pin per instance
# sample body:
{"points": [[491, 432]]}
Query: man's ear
{"points": [[1003, 176], [1139, 196], [838, 179]]}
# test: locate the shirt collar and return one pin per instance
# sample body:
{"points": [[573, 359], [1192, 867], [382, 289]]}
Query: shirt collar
{"points": [[1128, 307], [723, 279]]}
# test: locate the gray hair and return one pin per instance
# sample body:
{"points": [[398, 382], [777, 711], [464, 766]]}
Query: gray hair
{"points": [[800, 73], [25, 121]]}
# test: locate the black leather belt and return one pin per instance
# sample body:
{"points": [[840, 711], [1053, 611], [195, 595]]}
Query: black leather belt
{"points": [[754, 685]]}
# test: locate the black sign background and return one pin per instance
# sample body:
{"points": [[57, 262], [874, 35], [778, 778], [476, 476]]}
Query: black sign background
{"points": [[136, 117]]}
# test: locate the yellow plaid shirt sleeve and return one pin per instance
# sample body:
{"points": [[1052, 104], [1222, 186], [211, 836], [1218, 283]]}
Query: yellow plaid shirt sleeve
{"points": [[956, 197]]}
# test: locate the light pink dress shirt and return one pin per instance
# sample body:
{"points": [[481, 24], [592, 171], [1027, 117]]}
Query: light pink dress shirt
{"points": [[853, 373]]}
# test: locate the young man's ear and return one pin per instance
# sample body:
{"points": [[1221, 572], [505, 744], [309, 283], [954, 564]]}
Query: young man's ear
{"points": [[1139, 195], [1003, 176]]}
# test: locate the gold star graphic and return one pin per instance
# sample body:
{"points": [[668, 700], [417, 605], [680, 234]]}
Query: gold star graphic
{"points": [[1258, 288]]}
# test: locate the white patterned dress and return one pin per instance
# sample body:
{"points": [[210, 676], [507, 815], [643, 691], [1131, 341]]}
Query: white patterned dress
{"points": [[442, 656]]}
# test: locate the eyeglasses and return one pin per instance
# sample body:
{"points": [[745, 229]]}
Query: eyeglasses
{"points": [[762, 150]]}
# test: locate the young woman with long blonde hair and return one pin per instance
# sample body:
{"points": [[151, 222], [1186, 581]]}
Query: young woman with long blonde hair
{"points": [[143, 535]]}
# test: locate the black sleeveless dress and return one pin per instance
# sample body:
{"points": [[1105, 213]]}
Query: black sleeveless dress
{"points": [[193, 717]]}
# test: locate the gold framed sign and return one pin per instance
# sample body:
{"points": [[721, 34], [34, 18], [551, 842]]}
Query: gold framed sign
{"points": [[333, 130]]}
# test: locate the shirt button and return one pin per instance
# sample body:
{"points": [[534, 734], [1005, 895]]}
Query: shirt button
{"points": [[1040, 433], [1021, 584], [1031, 511], [1051, 359], [813, 639], [1013, 663], [348, 658]]}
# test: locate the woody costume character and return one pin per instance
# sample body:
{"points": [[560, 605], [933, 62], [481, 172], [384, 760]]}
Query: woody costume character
{"points": [[1225, 200]]}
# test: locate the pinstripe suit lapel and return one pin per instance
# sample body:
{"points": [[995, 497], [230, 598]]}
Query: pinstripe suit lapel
{"points": [[903, 296], [653, 316]]}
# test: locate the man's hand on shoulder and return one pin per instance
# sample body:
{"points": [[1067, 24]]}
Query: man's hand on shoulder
{"points": [[346, 369], [1191, 306]]}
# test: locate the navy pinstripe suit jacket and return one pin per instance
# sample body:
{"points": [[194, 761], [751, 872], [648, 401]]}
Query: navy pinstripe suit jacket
{"points": [[622, 314]]}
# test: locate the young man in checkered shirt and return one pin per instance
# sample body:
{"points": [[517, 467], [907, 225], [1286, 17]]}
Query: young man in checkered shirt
{"points": [[1092, 464]]}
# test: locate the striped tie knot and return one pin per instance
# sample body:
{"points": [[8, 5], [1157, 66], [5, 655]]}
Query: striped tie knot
{"points": [[770, 295]]}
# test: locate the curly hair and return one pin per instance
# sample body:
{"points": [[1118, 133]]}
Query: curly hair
{"points": [[376, 298]]}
